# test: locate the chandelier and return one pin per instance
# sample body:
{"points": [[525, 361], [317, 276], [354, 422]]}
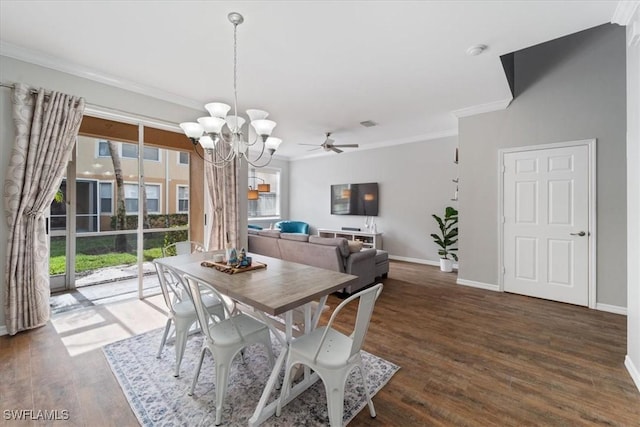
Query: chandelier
{"points": [[221, 136]]}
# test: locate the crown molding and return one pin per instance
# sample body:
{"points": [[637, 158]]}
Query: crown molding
{"points": [[624, 12], [400, 141], [483, 108], [48, 61]]}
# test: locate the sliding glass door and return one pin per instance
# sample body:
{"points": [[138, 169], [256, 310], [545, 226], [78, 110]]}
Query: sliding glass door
{"points": [[118, 205]]}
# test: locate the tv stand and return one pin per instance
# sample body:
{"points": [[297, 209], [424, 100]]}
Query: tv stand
{"points": [[369, 240]]}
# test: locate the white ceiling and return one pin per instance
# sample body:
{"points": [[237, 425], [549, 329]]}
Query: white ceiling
{"points": [[316, 66]]}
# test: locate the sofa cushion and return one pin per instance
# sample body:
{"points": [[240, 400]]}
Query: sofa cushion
{"points": [[322, 256], [354, 245], [269, 233], [267, 246], [339, 242], [252, 231], [295, 236]]}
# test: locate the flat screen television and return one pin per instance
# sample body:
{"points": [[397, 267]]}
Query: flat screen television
{"points": [[355, 199]]}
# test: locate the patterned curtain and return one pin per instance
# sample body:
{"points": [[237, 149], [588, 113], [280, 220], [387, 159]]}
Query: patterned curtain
{"points": [[222, 184], [46, 129]]}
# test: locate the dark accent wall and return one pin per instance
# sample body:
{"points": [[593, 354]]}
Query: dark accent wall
{"points": [[568, 89]]}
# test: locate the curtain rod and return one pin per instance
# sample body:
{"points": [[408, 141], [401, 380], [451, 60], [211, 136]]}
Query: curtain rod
{"points": [[108, 113], [13, 86]]}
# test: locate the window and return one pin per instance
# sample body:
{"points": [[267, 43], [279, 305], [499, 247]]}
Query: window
{"points": [[268, 203], [151, 153], [103, 149], [183, 158], [131, 151], [106, 197], [183, 199], [131, 198], [153, 198]]}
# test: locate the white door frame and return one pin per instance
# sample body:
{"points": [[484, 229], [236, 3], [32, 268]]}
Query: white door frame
{"points": [[591, 145]]}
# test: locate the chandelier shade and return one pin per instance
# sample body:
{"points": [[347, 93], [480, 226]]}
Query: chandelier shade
{"points": [[221, 134]]}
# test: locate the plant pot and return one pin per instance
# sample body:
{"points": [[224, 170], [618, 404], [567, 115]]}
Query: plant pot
{"points": [[446, 265]]}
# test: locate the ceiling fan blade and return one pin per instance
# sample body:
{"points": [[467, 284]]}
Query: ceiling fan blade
{"points": [[312, 145], [314, 149], [347, 145], [337, 150]]}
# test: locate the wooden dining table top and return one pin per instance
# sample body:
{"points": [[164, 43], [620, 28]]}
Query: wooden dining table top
{"points": [[276, 289]]}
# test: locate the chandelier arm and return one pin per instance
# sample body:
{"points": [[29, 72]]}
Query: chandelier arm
{"points": [[224, 157], [259, 166], [246, 155], [220, 164], [255, 140]]}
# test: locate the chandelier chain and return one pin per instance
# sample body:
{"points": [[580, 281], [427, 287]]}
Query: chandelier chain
{"points": [[235, 69]]}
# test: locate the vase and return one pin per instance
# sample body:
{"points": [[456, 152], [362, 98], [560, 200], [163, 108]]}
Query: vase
{"points": [[446, 265]]}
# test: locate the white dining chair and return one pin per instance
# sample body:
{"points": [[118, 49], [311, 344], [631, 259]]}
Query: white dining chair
{"points": [[333, 355], [225, 337], [182, 248], [182, 312]]}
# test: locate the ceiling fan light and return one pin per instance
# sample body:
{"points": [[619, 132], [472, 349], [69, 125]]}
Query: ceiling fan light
{"points": [[263, 127], [217, 109], [257, 114], [192, 130], [272, 143], [211, 124], [207, 142], [235, 123]]}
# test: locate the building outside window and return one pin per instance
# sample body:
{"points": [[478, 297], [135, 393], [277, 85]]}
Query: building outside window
{"points": [[130, 151], [106, 198], [183, 198], [131, 198], [183, 158], [103, 148], [268, 203]]}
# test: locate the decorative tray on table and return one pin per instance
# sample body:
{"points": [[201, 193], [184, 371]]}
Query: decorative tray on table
{"points": [[232, 269]]}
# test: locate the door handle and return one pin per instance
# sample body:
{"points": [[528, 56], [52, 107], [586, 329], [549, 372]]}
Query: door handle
{"points": [[582, 233]]}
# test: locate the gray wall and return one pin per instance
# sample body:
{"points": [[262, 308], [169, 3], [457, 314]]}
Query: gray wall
{"points": [[414, 182], [633, 201], [568, 89], [94, 93]]}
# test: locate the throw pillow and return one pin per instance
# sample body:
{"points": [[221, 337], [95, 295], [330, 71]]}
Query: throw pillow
{"points": [[354, 245]]}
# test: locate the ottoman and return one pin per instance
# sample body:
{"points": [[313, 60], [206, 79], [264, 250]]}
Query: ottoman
{"points": [[382, 263]]}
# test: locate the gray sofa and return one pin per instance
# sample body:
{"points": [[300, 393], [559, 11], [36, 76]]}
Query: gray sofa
{"points": [[323, 252]]}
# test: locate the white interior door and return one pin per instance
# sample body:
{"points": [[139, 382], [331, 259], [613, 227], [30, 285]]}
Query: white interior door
{"points": [[546, 206]]}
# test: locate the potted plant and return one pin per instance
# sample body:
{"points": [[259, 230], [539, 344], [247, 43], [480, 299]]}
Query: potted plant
{"points": [[447, 238]]}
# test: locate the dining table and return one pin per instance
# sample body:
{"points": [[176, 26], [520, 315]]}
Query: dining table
{"points": [[273, 292]]}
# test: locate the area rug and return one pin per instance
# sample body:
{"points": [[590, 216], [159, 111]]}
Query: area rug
{"points": [[159, 399]]}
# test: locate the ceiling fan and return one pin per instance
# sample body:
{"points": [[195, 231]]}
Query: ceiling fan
{"points": [[328, 145]]}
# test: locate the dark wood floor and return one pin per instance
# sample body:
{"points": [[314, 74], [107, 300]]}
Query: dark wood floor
{"points": [[468, 357]]}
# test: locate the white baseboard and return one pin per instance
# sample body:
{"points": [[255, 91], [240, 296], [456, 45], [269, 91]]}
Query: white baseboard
{"points": [[419, 261], [3, 330], [487, 286], [414, 260], [611, 308], [633, 371]]}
